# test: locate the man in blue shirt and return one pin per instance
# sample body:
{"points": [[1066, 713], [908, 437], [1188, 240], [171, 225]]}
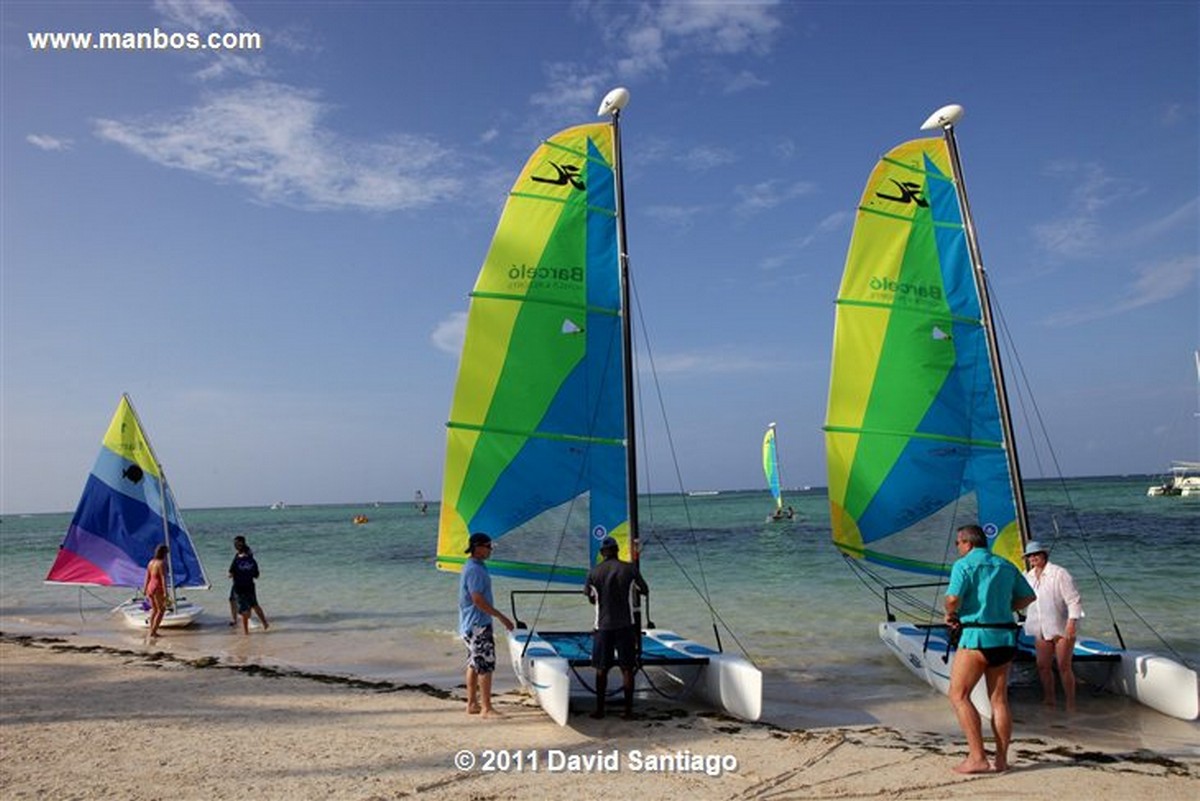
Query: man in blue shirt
{"points": [[984, 593], [475, 613]]}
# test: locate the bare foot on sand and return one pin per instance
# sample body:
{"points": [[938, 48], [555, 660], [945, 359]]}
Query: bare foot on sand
{"points": [[1000, 765], [970, 766], [472, 709]]}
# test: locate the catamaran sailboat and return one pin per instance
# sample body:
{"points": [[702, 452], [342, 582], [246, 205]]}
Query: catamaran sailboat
{"points": [[540, 448], [919, 439]]}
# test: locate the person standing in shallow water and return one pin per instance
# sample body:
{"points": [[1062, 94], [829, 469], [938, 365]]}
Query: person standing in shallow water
{"points": [[1051, 621], [475, 613], [244, 570], [155, 587], [610, 587], [985, 591]]}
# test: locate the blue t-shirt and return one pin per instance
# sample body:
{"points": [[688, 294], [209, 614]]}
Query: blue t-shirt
{"points": [[986, 586], [475, 578]]}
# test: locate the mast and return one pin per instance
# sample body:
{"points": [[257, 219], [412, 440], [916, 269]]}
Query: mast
{"points": [[612, 105], [946, 118], [162, 492]]}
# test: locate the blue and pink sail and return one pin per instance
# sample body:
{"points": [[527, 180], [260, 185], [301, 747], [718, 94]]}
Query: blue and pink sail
{"points": [[127, 510]]}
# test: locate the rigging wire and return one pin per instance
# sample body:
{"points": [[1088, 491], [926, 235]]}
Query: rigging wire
{"points": [[1087, 557], [701, 588]]}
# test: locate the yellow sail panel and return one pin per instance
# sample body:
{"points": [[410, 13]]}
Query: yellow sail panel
{"points": [[125, 438]]}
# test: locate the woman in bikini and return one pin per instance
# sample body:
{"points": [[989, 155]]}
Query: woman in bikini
{"points": [[155, 588]]}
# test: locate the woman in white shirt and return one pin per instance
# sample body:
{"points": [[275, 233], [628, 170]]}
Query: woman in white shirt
{"points": [[1051, 621]]}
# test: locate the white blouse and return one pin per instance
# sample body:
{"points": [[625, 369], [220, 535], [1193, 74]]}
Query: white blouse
{"points": [[1057, 601]]}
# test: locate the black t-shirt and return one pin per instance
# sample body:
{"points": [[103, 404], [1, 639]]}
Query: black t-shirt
{"points": [[244, 571], [611, 583]]}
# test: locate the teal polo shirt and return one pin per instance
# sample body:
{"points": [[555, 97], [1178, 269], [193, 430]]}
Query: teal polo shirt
{"points": [[986, 586]]}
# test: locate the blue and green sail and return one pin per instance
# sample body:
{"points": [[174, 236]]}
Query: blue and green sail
{"points": [[771, 466], [535, 446], [913, 435]]}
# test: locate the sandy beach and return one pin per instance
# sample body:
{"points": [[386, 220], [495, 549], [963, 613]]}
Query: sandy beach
{"points": [[81, 721]]}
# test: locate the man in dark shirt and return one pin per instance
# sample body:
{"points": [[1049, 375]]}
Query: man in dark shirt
{"points": [[610, 587]]}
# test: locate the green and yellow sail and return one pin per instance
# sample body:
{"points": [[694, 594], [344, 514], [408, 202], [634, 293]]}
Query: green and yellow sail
{"points": [[535, 448], [913, 435]]}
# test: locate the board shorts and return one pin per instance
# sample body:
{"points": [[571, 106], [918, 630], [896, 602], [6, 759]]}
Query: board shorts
{"points": [[247, 599], [623, 642], [481, 649]]}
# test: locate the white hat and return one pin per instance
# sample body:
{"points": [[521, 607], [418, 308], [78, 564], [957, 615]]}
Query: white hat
{"points": [[1033, 546]]}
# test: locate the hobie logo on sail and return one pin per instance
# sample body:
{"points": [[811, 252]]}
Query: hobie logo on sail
{"points": [[906, 289], [909, 192], [566, 174]]}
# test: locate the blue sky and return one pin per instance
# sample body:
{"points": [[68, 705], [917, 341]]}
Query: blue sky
{"points": [[272, 250]]}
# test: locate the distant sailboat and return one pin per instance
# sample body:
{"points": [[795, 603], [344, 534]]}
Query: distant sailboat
{"points": [[127, 510], [540, 450], [419, 502], [770, 456], [919, 439]]}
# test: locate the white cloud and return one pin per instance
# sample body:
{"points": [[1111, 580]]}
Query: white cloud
{"points": [[269, 138], [1079, 233], [1154, 283], [706, 157], [741, 81], [46, 142], [710, 363], [571, 86], [450, 334], [675, 216], [200, 14], [214, 16], [769, 194]]}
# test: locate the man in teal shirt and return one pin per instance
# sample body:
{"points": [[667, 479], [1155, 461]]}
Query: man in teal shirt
{"points": [[984, 593]]}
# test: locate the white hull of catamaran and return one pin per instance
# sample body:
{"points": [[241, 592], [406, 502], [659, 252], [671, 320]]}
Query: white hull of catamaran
{"points": [[925, 653], [184, 614], [543, 673], [1160, 683], [727, 682], [1154, 681]]}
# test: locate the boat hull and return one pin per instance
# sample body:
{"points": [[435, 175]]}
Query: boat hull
{"points": [[725, 682], [542, 672], [183, 614], [728, 682], [1155, 681], [926, 653]]}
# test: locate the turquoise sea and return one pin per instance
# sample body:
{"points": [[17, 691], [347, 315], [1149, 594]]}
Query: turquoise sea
{"points": [[366, 601]]}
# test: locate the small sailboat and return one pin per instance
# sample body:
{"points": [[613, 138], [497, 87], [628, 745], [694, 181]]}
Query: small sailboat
{"points": [[127, 510], [540, 450], [918, 434], [771, 471]]}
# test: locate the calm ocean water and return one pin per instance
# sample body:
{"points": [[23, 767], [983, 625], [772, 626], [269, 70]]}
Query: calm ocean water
{"points": [[365, 600]]}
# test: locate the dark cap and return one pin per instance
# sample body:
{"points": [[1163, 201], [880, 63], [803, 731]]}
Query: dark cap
{"points": [[609, 542], [477, 539]]}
